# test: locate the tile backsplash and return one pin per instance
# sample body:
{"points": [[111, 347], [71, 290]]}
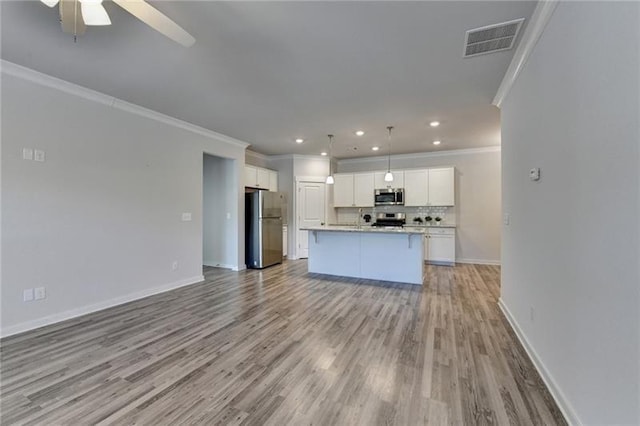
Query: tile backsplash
{"points": [[349, 215]]}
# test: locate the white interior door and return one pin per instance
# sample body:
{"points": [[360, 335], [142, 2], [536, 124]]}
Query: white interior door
{"points": [[311, 212]]}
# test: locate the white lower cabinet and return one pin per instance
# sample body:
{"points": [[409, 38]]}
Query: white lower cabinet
{"points": [[285, 241], [440, 246]]}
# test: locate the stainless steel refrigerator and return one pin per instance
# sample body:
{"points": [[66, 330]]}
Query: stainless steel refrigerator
{"points": [[263, 234]]}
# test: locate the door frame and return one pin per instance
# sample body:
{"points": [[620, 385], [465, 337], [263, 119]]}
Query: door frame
{"points": [[296, 208]]}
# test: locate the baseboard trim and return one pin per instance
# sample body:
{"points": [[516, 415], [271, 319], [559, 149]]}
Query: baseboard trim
{"points": [[73, 313], [479, 261], [215, 264], [565, 407]]}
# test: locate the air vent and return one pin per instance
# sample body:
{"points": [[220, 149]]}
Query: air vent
{"points": [[492, 38]]}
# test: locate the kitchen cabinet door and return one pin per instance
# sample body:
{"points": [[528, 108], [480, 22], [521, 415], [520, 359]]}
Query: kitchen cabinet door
{"points": [[363, 190], [273, 180], [250, 176], [441, 246], [398, 180], [343, 190], [441, 187], [262, 178], [416, 187]]}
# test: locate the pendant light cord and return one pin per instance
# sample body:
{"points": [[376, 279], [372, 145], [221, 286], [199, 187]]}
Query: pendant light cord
{"points": [[330, 151], [389, 128]]}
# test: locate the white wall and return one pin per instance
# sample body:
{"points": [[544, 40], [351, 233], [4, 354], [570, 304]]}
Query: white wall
{"points": [[218, 203], [100, 221], [571, 252], [477, 210]]}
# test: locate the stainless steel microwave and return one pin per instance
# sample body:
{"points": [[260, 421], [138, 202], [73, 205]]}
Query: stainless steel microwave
{"points": [[389, 197]]}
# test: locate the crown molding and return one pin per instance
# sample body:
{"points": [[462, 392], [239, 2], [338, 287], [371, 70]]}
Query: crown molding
{"points": [[453, 152], [33, 76], [538, 22], [297, 157]]}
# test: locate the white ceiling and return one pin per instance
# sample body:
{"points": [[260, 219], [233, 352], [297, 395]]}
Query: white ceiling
{"points": [[268, 72]]}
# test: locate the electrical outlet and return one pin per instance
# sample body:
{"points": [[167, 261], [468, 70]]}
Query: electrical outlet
{"points": [[174, 265], [38, 155], [27, 154], [27, 295], [507, 219], [534, 174], [186, 217], [40, 293]]}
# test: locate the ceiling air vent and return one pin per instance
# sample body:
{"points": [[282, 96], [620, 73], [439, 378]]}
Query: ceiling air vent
{"points": [[492, 38]]}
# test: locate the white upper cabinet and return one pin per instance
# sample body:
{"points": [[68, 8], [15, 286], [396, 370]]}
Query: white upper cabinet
{"points": [[363, 190], [416, 187], [263, 178], [343, 190], [441, 187], [398, 180], [250, 176], [257, 177], [353, 190], [273, 180]]}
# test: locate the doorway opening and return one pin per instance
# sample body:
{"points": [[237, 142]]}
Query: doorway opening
{"points": [[219, 212]]}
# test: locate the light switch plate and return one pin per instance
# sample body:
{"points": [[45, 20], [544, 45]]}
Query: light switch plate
{"points": [[27, 295], [27, 154], [506, 219], [186, 217], [38, 155]]}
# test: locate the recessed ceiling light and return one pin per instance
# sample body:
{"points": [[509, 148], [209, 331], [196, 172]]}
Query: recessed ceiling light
{"points": [[323, 153], [434, 124], [436, 142], [375, 148], [299, 140], [360, 133]]}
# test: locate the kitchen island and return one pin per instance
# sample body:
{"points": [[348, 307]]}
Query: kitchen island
{"points": [[387, 254]]}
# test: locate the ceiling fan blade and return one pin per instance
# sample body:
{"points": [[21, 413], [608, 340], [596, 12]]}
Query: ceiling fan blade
{"points": [[156, 20], [50, 3], [71, 17], [93, 13]]}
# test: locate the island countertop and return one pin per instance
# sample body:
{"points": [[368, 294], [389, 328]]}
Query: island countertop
{"points": [[407, 229], [367, 229]]}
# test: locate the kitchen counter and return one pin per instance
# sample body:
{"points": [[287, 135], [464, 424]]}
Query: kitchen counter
{"points": [[374, 229], [387, 254], [409, 225]]}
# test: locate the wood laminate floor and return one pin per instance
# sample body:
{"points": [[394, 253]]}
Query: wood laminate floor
{"points": [[281, 346]]}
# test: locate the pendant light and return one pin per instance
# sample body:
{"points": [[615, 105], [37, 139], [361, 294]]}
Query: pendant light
{"points": [[329, 180], [388, 177]]}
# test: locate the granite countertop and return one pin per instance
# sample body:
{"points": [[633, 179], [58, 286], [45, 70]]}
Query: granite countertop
{"points": [[367, 228], [408, 225]]}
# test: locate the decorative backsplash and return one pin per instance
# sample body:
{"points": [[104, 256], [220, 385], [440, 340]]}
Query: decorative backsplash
{"points": [[349, 215]]}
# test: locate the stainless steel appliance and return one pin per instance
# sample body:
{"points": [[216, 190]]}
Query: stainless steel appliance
{"points": [[263, 211], [390, 219], [389, 197]]}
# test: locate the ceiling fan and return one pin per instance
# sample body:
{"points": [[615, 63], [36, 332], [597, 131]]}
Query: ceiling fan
{"points": [[76, 15]]}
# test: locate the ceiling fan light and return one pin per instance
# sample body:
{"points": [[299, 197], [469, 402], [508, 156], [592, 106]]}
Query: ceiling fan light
{"points": [[388, 177], [329, 180], [93, 13], [50, 3]]}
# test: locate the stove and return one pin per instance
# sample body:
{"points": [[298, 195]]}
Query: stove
{"points": [[392, 220]]}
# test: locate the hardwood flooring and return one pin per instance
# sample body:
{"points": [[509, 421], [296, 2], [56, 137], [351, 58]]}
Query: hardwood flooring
{"points": [[282, 346]]}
